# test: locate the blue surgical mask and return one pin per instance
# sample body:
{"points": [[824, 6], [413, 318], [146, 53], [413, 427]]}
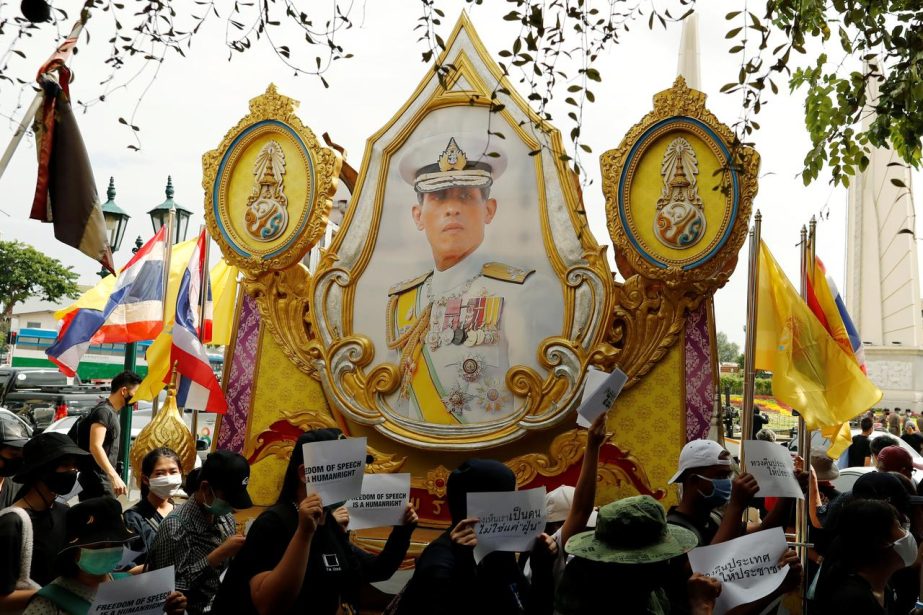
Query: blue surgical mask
{"points": [[99, 561], [720, 494]]}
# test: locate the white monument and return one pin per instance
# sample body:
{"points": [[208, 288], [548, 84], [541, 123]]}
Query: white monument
{"points": [[882, 275]]}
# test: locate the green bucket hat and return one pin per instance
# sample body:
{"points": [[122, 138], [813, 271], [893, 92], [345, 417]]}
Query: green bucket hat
{"points": [[632, 531]]}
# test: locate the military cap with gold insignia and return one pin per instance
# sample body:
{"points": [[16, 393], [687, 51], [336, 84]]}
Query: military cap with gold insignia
{"points": [[452, 159]]}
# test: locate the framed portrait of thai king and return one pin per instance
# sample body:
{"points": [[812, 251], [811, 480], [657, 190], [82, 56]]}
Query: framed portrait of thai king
{"points": [[460, 301]]}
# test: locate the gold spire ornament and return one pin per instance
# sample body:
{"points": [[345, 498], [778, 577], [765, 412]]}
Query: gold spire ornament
{"points": [[168, 430]]}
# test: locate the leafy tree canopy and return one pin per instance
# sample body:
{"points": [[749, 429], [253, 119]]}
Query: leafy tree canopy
{"points": [[26, 272], [728, 352], [555, 53]]}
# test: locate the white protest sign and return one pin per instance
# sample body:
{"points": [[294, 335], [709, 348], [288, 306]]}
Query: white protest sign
{"points": [[748, 567], [508, 520], [600, 391], [333, 469], [142, 594], [382, 502], [773, 468]]}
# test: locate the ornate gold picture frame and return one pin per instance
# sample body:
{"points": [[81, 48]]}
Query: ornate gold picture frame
{"points": [[378, 317]]}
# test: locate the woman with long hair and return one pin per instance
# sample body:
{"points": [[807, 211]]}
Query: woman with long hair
{"points": [[161, 479], [298, 558]]}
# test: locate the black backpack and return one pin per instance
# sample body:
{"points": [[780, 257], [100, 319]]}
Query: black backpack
{"points": [[74, 432]]}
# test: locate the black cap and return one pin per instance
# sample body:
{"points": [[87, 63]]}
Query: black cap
{"points": [[228, 473], [13, 432], [96, 521], [884, 486], [42, 452]]}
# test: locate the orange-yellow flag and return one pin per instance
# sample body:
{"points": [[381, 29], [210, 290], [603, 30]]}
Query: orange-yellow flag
{"points": [[810, 371]]}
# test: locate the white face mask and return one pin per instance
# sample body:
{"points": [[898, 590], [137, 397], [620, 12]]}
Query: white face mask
{"points": [[906, 549], [166, 486]]}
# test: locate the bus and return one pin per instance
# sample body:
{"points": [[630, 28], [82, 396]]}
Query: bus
{"points": [[101, 362]]}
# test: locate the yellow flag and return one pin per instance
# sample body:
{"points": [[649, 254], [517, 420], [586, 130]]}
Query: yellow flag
{"points": [[158, 365], [158, 354], [810, 371], [93, 299], [224, 301]]}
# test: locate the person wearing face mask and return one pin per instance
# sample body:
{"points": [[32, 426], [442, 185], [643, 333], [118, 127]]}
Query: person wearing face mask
{"points": [[870, 547], [200, 536], [13, 436], [32, 529], [711, 506], [161, 479], [95, 538], [98, 433], [704, 477]]}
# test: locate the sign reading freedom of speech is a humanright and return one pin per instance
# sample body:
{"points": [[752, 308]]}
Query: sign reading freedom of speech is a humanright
{"points": [[141, 594], [333, 469], [382, 503]]}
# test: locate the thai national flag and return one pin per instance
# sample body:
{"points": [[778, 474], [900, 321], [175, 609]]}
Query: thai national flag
{"points": [[133, 312], [198, 386]]}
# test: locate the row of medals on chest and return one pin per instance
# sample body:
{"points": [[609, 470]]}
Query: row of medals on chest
{"points": [[468, 326]]}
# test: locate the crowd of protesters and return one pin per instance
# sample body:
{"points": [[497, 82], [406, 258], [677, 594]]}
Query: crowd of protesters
{"points": [[627, 556]]}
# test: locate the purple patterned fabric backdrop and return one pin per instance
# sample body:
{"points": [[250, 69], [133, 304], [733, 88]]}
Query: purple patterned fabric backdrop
{"points": [[700, 392], [240, 378]]}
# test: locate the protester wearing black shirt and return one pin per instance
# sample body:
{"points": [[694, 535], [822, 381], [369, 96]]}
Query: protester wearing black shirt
{"points": [[98, 432], [34, 525], [869, 548], [759, 420], [448, 581], [298, 559], [859, 451]]}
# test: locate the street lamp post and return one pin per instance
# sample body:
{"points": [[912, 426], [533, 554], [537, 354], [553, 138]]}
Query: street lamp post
{"points": [[160, 216], [116, 220]]}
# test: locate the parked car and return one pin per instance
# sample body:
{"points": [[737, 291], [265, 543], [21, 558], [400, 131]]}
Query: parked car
{"points": [[25, 425], [40, 395]]}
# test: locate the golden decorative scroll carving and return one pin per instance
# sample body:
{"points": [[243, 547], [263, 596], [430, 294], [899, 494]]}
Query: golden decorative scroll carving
{"points": [[284, 308], [646, 321]]}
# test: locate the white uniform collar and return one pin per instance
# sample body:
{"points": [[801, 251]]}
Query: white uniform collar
{"points": [[444, 281]]}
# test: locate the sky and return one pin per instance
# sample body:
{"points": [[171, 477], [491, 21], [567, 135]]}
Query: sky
{"points": [[195, 100]]}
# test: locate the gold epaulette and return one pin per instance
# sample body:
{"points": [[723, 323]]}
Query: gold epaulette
{"points": [[408, 284], [506, 273]]}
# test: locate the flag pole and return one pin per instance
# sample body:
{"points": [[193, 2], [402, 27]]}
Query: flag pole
{"points": [[203, 301], [167, 255], [804, 437], [32, 109], [746, 411]]}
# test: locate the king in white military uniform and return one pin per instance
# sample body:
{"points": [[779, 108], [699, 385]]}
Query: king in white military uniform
{"points": [[458, 328]]}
